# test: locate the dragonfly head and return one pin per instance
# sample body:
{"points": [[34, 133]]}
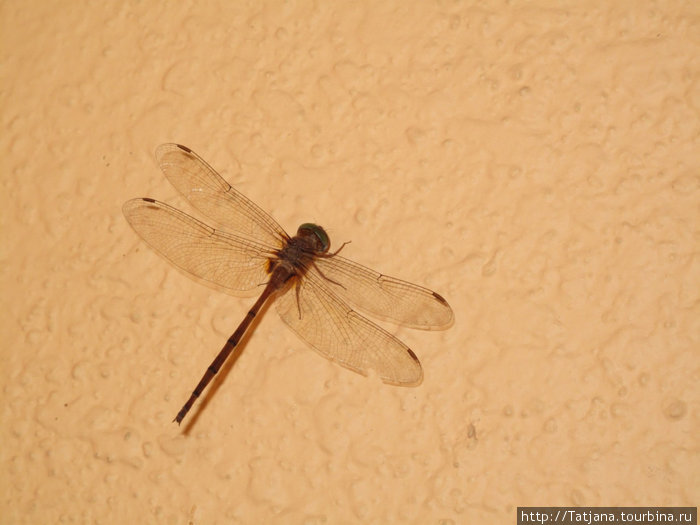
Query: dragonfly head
{"points": [[317, 234]]}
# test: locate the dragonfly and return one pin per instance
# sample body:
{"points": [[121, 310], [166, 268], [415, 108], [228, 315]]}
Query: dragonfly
{"points": [[322, 296]]}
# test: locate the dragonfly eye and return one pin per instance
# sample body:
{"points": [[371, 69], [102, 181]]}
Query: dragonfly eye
{"points": [[322, 240]]}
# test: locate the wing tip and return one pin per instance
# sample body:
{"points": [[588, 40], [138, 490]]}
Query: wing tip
{"points": [[447, 323], [441, 299], [163, 149], [133, 204], [415, 380], [418, 380]]}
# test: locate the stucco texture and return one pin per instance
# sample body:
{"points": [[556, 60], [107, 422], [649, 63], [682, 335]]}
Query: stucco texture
{"points": [[535, 163]]}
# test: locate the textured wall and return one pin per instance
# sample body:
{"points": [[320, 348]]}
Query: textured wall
{"points": [[535, 163]]}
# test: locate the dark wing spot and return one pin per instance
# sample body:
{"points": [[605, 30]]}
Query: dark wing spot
{"points": [[184, 148], [440, 298], [271, 264], [414, 356], [147, 199]]}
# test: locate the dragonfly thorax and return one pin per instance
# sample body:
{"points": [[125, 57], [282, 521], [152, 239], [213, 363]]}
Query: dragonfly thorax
{"points": [[299, 252]]}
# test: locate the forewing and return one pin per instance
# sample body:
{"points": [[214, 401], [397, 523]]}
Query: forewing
{"points": [[207, 191], [230, 262], [342, 335], [385, 297]]}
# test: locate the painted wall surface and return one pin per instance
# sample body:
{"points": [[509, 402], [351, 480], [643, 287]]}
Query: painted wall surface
{"points": [[536, 163]]}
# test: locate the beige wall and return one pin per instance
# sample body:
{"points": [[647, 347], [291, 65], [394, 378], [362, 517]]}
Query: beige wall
{"points": [[535, 163]]}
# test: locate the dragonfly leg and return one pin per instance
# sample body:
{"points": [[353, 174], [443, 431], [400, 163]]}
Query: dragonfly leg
{"points": [[328, 278], [296, 290], [338, 250]]}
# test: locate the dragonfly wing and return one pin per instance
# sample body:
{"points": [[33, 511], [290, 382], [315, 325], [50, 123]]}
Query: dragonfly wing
{"points": [[385, 297], [342, 335], [228, 261], [207, 191]]}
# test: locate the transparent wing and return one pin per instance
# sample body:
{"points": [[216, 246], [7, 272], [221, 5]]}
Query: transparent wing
{"points": [[385, 297], [207, 191], [228, 261], [344, 336]]}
